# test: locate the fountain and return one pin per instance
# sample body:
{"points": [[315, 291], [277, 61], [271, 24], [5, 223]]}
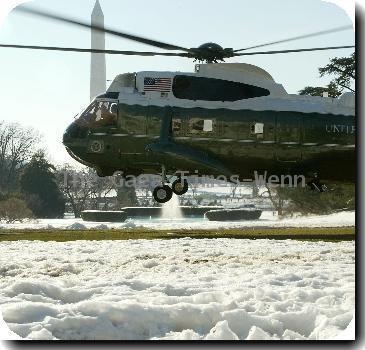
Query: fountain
{"points": [[171, 209]]}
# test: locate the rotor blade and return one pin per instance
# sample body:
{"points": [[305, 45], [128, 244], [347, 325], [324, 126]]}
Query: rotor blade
{"points": [[290, 51], [132, 37], [310, 35], [111, 52]]}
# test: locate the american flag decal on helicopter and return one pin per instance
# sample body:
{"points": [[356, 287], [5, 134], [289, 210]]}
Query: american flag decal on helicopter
{"points": [[157, 84]]}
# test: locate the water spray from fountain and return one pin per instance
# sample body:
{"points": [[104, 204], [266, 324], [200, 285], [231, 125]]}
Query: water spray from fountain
{"points": [[172, 209]]}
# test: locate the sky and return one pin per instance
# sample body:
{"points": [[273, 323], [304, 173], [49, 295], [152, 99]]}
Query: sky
{"points": [[45, 90]]}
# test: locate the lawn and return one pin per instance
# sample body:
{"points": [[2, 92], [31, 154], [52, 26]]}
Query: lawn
{"points": [[302, 233]]}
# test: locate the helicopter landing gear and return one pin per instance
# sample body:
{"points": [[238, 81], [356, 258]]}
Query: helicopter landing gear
{"points": [[163, 193], [180, 186]]}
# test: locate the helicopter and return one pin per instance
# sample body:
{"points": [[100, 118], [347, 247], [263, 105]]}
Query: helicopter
{"points": [[229, 119]]}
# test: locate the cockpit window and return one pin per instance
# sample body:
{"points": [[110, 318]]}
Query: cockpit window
{"points": [[100, 113]]}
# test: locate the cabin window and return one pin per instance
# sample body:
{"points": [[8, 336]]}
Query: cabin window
{"points": [[209, 89], [257, 128], [208, 125], [200, 126], [100, 114], [176, 126]]}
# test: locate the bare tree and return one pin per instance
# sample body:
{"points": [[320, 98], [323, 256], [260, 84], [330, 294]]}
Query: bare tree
{"points": [[101, 189], [145, 184], [275, 195], [83, 189], [233, 189], [14, 209], [255, 189], [77, 186], [194, 186], [17, 145]]}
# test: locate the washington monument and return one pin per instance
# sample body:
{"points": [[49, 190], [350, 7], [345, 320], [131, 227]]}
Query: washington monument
{"points": [[98, 67]]}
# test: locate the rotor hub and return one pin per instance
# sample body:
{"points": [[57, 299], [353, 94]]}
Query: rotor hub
{"points": [[211, 52]]}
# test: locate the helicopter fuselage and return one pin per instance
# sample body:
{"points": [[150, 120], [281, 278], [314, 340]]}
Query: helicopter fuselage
{"points": [[145, 127]]}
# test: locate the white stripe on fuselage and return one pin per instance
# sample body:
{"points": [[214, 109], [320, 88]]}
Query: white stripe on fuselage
{"points": [[286, 103]]}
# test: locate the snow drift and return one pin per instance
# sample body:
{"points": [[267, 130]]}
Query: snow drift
{"points": [[177, 289]]}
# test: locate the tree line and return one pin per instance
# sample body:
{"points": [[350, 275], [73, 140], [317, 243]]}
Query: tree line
{"points": [[28, 186], [32, 187]]}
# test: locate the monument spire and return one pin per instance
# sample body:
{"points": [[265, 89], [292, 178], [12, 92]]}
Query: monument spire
{"points": [[98, 66]]}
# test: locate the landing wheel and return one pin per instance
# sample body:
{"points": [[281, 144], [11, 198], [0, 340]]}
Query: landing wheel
{"points": [[180, 187], [162, 194]]}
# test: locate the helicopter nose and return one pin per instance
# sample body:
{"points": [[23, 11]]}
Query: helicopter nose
{"points": [[75, 141], [66, 137], [74, 131]]}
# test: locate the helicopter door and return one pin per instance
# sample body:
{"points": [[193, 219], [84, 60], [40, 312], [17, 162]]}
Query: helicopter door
{"points": [[288, 147]]}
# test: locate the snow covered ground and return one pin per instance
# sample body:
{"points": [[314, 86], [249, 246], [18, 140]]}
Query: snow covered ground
{"points": [[267, 219], [177, 289]]}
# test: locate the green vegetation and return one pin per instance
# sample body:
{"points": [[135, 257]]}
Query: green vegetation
{"points": [[14, 209], [342, 69], [331, 89], [27, 180], [291, 200], [17, 145], [313, 233], [39, 187], [337, 197]]}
